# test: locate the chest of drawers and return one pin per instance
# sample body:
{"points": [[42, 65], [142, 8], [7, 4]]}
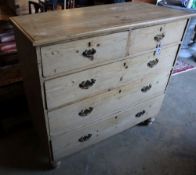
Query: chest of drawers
{"points": [[93, 72]]}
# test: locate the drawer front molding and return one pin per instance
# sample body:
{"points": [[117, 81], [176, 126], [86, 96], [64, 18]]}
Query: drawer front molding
{"points": [[78, 139], [68, 89], [156, 37], [88, 77], [82, 54], [66, 118]]}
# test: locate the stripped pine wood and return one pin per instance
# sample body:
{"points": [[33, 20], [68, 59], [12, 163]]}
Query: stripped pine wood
{"points": [[69, 143], [66, 89], [71, 24], [66, 118], [90, 73], [167, 33], [56, 58]]}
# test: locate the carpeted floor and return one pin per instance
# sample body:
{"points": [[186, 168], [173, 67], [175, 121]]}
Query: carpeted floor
{"points": [[182, 66]]}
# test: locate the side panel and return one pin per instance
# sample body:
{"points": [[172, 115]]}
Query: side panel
{"points": [[33, 88]]}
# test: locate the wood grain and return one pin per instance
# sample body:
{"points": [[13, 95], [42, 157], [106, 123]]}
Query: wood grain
{"points": [[67, 118], [70, 24], [66, 89], [69, 97], [66, 144], [144, 39], [56, 58], [33, 89]]}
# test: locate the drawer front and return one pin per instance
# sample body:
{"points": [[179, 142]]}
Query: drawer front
{"points": [[154, 37], [76, 140], [68, 89], [82, 54], [98, 107]]}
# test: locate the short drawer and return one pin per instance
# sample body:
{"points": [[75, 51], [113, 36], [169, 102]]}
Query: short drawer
{"points": [[82, 54], [76, 140], [68, 89], [149, 38], [87, 111]]}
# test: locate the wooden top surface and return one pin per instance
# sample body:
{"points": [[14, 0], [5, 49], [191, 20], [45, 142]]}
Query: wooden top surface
{"points": [[45, 28]]}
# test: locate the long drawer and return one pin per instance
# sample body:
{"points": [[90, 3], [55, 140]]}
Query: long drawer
{"points": [[87, 111], [85, 53], [68, 89], [156, 36], [78, 139]]}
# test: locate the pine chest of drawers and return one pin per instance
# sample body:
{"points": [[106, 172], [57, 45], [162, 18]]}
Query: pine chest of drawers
{"points": [[93, 72]]}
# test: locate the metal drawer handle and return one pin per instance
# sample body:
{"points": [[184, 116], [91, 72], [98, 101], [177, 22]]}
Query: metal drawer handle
{"points": [[85, 138], [159, 37], [153, 63], [85, 112], [89, 53], [146, 88], [139, 114], [87, 84]]}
